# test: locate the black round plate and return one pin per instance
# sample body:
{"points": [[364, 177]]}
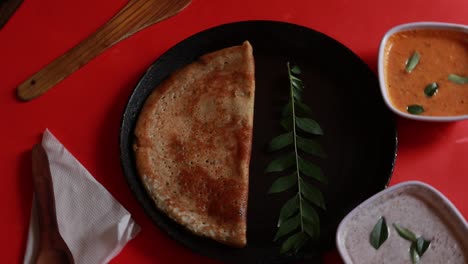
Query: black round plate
{"points": [[360, 132]]}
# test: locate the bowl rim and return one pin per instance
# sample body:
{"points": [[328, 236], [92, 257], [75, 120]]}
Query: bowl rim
{"points": [[451, 208], [381, 67]]}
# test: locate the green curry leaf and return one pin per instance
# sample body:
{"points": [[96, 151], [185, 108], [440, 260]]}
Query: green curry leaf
{"points": [[281, 141], [294, 242], [288, 226], [281, 163], [458, 79], [422, 245], [431, 89], [415, 109], [288, 209], [379, 233], [412, 62], [405, 233], [309, 125], [415, 257], [309, 169], [310, 146], [283, 183]]}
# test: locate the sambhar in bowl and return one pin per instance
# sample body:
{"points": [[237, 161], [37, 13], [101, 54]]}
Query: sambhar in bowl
{"points": [[423, 71]]}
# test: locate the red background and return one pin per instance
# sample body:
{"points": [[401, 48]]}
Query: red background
{"points": [[84, 111]]}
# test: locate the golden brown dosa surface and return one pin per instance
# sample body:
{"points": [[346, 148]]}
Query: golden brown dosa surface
{"points": [[193, 144]]}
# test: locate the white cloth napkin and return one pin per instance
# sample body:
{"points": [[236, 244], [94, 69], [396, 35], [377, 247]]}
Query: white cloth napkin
{"points": [[92, 223]]}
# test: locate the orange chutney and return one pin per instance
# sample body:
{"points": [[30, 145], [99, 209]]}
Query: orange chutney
{"points": [[442, 52]]}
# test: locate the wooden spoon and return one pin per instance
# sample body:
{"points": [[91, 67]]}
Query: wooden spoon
{"points": [[135, 16], [52, 247]]}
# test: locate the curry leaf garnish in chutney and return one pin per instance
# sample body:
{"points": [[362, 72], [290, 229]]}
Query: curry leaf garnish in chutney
{"points": [[405, 233], [415, 109], [379, 233], [298, 221], [431, 89], [458, 79], [412, 62]]}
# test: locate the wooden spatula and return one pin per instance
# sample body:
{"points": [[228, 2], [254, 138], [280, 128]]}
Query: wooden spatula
{"points": [[52, 248], [135, 16]]}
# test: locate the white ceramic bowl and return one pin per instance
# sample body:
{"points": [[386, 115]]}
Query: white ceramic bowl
{"points": [[393, 203], [381, 63]]}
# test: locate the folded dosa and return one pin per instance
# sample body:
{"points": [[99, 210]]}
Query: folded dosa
{"points": [[193, 144]]}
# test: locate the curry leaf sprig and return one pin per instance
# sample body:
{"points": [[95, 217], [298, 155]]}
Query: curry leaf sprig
{"points": [[298, 221]]}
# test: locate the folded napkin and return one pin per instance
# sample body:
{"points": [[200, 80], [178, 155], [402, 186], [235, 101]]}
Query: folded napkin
{"points": [[92, 223]]}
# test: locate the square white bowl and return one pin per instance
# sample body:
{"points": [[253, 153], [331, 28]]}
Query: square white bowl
{"points": [[381, 65], [428, 195]]}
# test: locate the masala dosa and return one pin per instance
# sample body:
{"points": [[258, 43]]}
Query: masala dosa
{"points": [[193, 144]]}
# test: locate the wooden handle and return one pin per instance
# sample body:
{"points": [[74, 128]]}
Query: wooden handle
{"points": [[135, 16]]}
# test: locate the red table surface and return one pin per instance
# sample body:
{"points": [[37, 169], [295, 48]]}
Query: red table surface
{"points": [[84, 111]]}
